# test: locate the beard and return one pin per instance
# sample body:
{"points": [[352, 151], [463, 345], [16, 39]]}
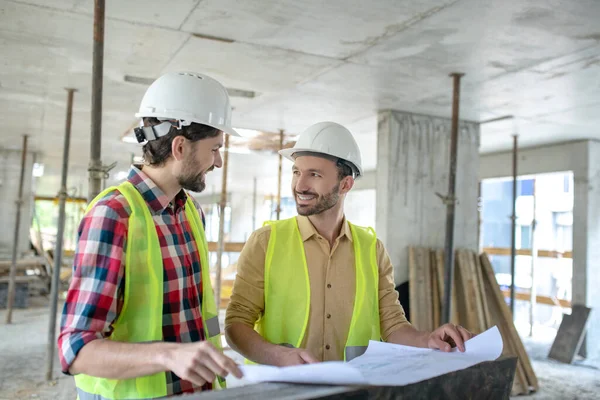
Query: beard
{"points": [[192, 180], [324, 202], [193, 183]]}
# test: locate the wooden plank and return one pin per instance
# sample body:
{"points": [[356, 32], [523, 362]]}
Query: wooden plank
{"points": [[520, 385], [455, 314], [570, 334], [80, 200], [439, 263], [493, 287], [414, 305], [505, 251], [229, 247], [474, 282], [526, 295], [466, 293], [22, 265], [481, 287], [426, 289], [20, 279], [420, 296]]}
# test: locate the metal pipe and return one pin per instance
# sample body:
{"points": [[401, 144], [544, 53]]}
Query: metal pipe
{"points": [[451, 203], [221, 243], [95, 166], [279, 176], [504, 117], [62, 201], [13, 266], [513, 244], [534, 251]]}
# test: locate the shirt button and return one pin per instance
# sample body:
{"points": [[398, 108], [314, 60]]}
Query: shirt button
{"points": [[328, 316], [329, 286], [327, 347]]}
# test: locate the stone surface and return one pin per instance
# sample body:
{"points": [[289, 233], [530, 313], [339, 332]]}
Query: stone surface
{"points": [[414, 162], [570, 335]]}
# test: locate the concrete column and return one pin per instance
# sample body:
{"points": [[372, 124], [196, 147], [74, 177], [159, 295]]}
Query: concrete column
{"points": [[413, 164], [10, 169], [586, 240]]}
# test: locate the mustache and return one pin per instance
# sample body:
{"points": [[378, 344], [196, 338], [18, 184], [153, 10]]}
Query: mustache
{"points": [[305, 193]]}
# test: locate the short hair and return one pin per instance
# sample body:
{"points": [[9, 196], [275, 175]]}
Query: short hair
{"points": [[156, 152], [344, 169]]}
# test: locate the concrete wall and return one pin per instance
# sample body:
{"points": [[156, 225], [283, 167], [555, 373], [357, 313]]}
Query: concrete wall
{"points": [[537, 160], [413, 155], [586, 241], [10, 170]]}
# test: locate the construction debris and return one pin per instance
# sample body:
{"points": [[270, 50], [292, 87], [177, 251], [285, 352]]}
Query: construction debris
{"points": [[570, 334], [477, 303]]}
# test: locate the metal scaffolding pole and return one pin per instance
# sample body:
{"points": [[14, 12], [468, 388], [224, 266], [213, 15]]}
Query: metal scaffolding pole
{"points": [[450, 201], [95, 167], [534, 251], [514, 226], [62, 200], [279, 176], [221, 243], [13, 266]]}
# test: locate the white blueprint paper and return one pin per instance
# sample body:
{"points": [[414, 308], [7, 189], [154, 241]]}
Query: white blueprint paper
{"points": [[385, 364]]}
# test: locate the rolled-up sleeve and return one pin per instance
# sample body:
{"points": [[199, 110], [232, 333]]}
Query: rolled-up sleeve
{"points": [[247, 301], [391, 313], [96, 290]]}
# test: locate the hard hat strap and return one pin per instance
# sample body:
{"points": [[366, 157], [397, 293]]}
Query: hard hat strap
{"points": [[147, 133]]}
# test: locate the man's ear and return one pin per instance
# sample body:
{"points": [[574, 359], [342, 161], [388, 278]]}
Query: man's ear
{"points": [[177, 147], [346, 184]]}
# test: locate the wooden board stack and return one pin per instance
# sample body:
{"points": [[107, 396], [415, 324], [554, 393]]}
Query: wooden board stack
{"points": [[477, 303]]}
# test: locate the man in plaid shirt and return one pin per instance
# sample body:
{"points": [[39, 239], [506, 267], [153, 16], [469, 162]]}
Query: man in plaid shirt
{"points": [[184, 118]]}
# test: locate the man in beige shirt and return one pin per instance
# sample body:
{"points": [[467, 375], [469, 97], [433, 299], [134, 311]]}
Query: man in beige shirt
{"points": [[326, 161]]}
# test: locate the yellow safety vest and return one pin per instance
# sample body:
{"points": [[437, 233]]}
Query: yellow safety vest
{"points": [[287, 289], [140, 319]]}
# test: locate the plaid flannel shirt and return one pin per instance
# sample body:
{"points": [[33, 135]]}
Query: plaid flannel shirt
{"points": [[96, 293]]}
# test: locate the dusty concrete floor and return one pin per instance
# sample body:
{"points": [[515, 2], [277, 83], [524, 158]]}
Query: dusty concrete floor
{"points": [[23, 364], [581, 380]]}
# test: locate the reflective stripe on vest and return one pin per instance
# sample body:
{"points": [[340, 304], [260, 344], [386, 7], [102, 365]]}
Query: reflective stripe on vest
{"points": [[140, 319], [287, 289]]}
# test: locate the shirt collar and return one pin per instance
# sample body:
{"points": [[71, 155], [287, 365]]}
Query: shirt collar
{"points": [[157, 200], [308, 230]]}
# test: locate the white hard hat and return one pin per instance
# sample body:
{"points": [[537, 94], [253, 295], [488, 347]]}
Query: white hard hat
{"points": [[331, 139], [188, 97]]}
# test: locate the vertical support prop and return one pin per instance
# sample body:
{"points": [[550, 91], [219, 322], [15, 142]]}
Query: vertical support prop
{"points": [[279, 176], [450, 201], [62, 199], [13, 266], [95, 167], [221, 243], [513, 245], [534, 256]]}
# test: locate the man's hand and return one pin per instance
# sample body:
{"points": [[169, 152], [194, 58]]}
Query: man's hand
{"points": [[290, 356], [200, 362], [444, 337]]}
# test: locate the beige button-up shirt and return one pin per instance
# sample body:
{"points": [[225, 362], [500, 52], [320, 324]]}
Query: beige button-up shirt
{"points": [[332, 289]]}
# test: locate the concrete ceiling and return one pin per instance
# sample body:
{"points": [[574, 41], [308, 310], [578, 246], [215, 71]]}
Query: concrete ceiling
{"points": [[308, 61]]}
